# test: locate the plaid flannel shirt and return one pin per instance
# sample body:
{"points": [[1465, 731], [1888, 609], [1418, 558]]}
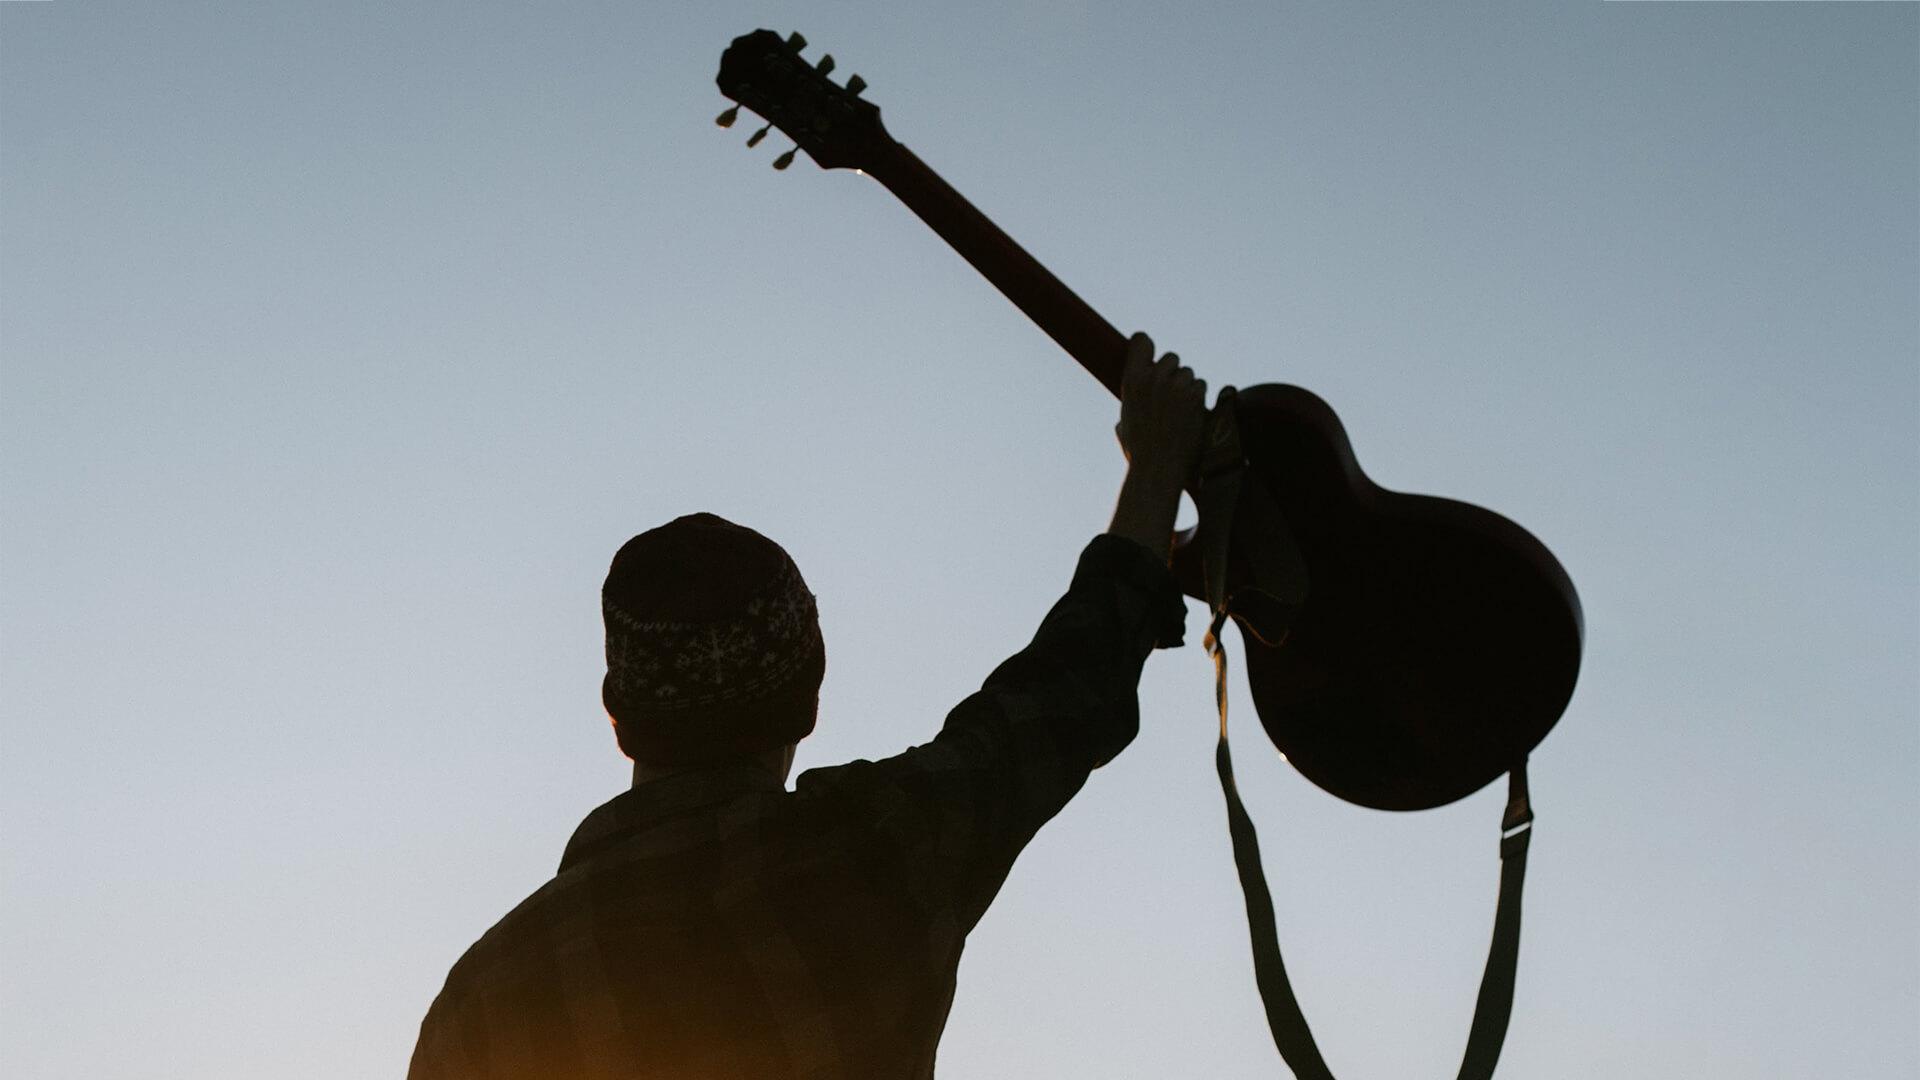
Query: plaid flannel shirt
{"points": [[714, 925]]}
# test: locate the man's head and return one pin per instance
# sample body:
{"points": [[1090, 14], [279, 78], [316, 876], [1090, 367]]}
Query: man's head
{"points": [[713, 645]]}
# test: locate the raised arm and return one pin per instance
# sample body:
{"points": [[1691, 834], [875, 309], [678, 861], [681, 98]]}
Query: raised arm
{"points": [[1007, 759]]}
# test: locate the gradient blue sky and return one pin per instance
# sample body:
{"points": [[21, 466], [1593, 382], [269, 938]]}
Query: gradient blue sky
{"points": [[344, 342]]}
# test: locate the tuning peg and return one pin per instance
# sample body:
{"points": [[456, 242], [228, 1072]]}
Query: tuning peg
{"points": [[754, 139], [825, 66], [855, 84], [796, 42], [727, 118], [785, 159]]}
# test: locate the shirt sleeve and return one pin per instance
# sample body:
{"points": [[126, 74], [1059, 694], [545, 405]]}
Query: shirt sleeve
{"points": [[960, 808]]}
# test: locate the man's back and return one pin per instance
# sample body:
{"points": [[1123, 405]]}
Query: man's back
{"points": [[711, 924]]}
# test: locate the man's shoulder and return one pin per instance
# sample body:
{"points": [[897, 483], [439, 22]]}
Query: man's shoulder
{"points": [[863, 787], [896, 802], [482, 963], [859, 793]]}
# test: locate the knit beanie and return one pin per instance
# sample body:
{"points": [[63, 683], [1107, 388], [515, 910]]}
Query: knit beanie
{"points": [[713, 644]]}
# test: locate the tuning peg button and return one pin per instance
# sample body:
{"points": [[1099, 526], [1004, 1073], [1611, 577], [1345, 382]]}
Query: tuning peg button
{"points": [[754, 139], [825, 66], [796, 42], [727, 118], [855, 84], [785, 159]]}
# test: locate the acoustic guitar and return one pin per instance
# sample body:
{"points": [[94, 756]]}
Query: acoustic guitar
{"points": [[1402, 650]]}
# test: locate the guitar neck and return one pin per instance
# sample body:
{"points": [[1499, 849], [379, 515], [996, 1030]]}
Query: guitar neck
{"points": [[1065, 317]]}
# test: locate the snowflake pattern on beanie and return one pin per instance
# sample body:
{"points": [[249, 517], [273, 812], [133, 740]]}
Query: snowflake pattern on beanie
{"points": [[666, 665]]}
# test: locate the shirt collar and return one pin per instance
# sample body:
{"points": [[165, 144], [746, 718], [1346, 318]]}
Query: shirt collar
{"points": [[658, 800]]}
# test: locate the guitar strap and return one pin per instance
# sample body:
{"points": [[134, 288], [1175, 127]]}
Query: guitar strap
{"points": [[1223, 469]]}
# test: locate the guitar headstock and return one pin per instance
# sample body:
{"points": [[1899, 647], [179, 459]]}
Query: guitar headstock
{"points": [[831, 123]]}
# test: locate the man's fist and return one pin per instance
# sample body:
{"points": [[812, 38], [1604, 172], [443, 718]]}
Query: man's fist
{"points": [[1163, 413]]}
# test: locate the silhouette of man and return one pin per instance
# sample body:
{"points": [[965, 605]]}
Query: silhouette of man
{"points": [[709, 923]]}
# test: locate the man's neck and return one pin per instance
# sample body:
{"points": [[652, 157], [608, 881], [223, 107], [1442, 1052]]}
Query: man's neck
{"points": [[778, 762]]}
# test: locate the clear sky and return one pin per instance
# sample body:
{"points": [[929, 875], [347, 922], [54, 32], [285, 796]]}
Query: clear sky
{"points": [[344, 343]]}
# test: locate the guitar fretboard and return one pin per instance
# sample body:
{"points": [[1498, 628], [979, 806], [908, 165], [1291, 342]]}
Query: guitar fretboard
{"points": [[1065, 317]]}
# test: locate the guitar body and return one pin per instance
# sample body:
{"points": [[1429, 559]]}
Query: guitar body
{"points": [[1428, 645], [1437, 642]]}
